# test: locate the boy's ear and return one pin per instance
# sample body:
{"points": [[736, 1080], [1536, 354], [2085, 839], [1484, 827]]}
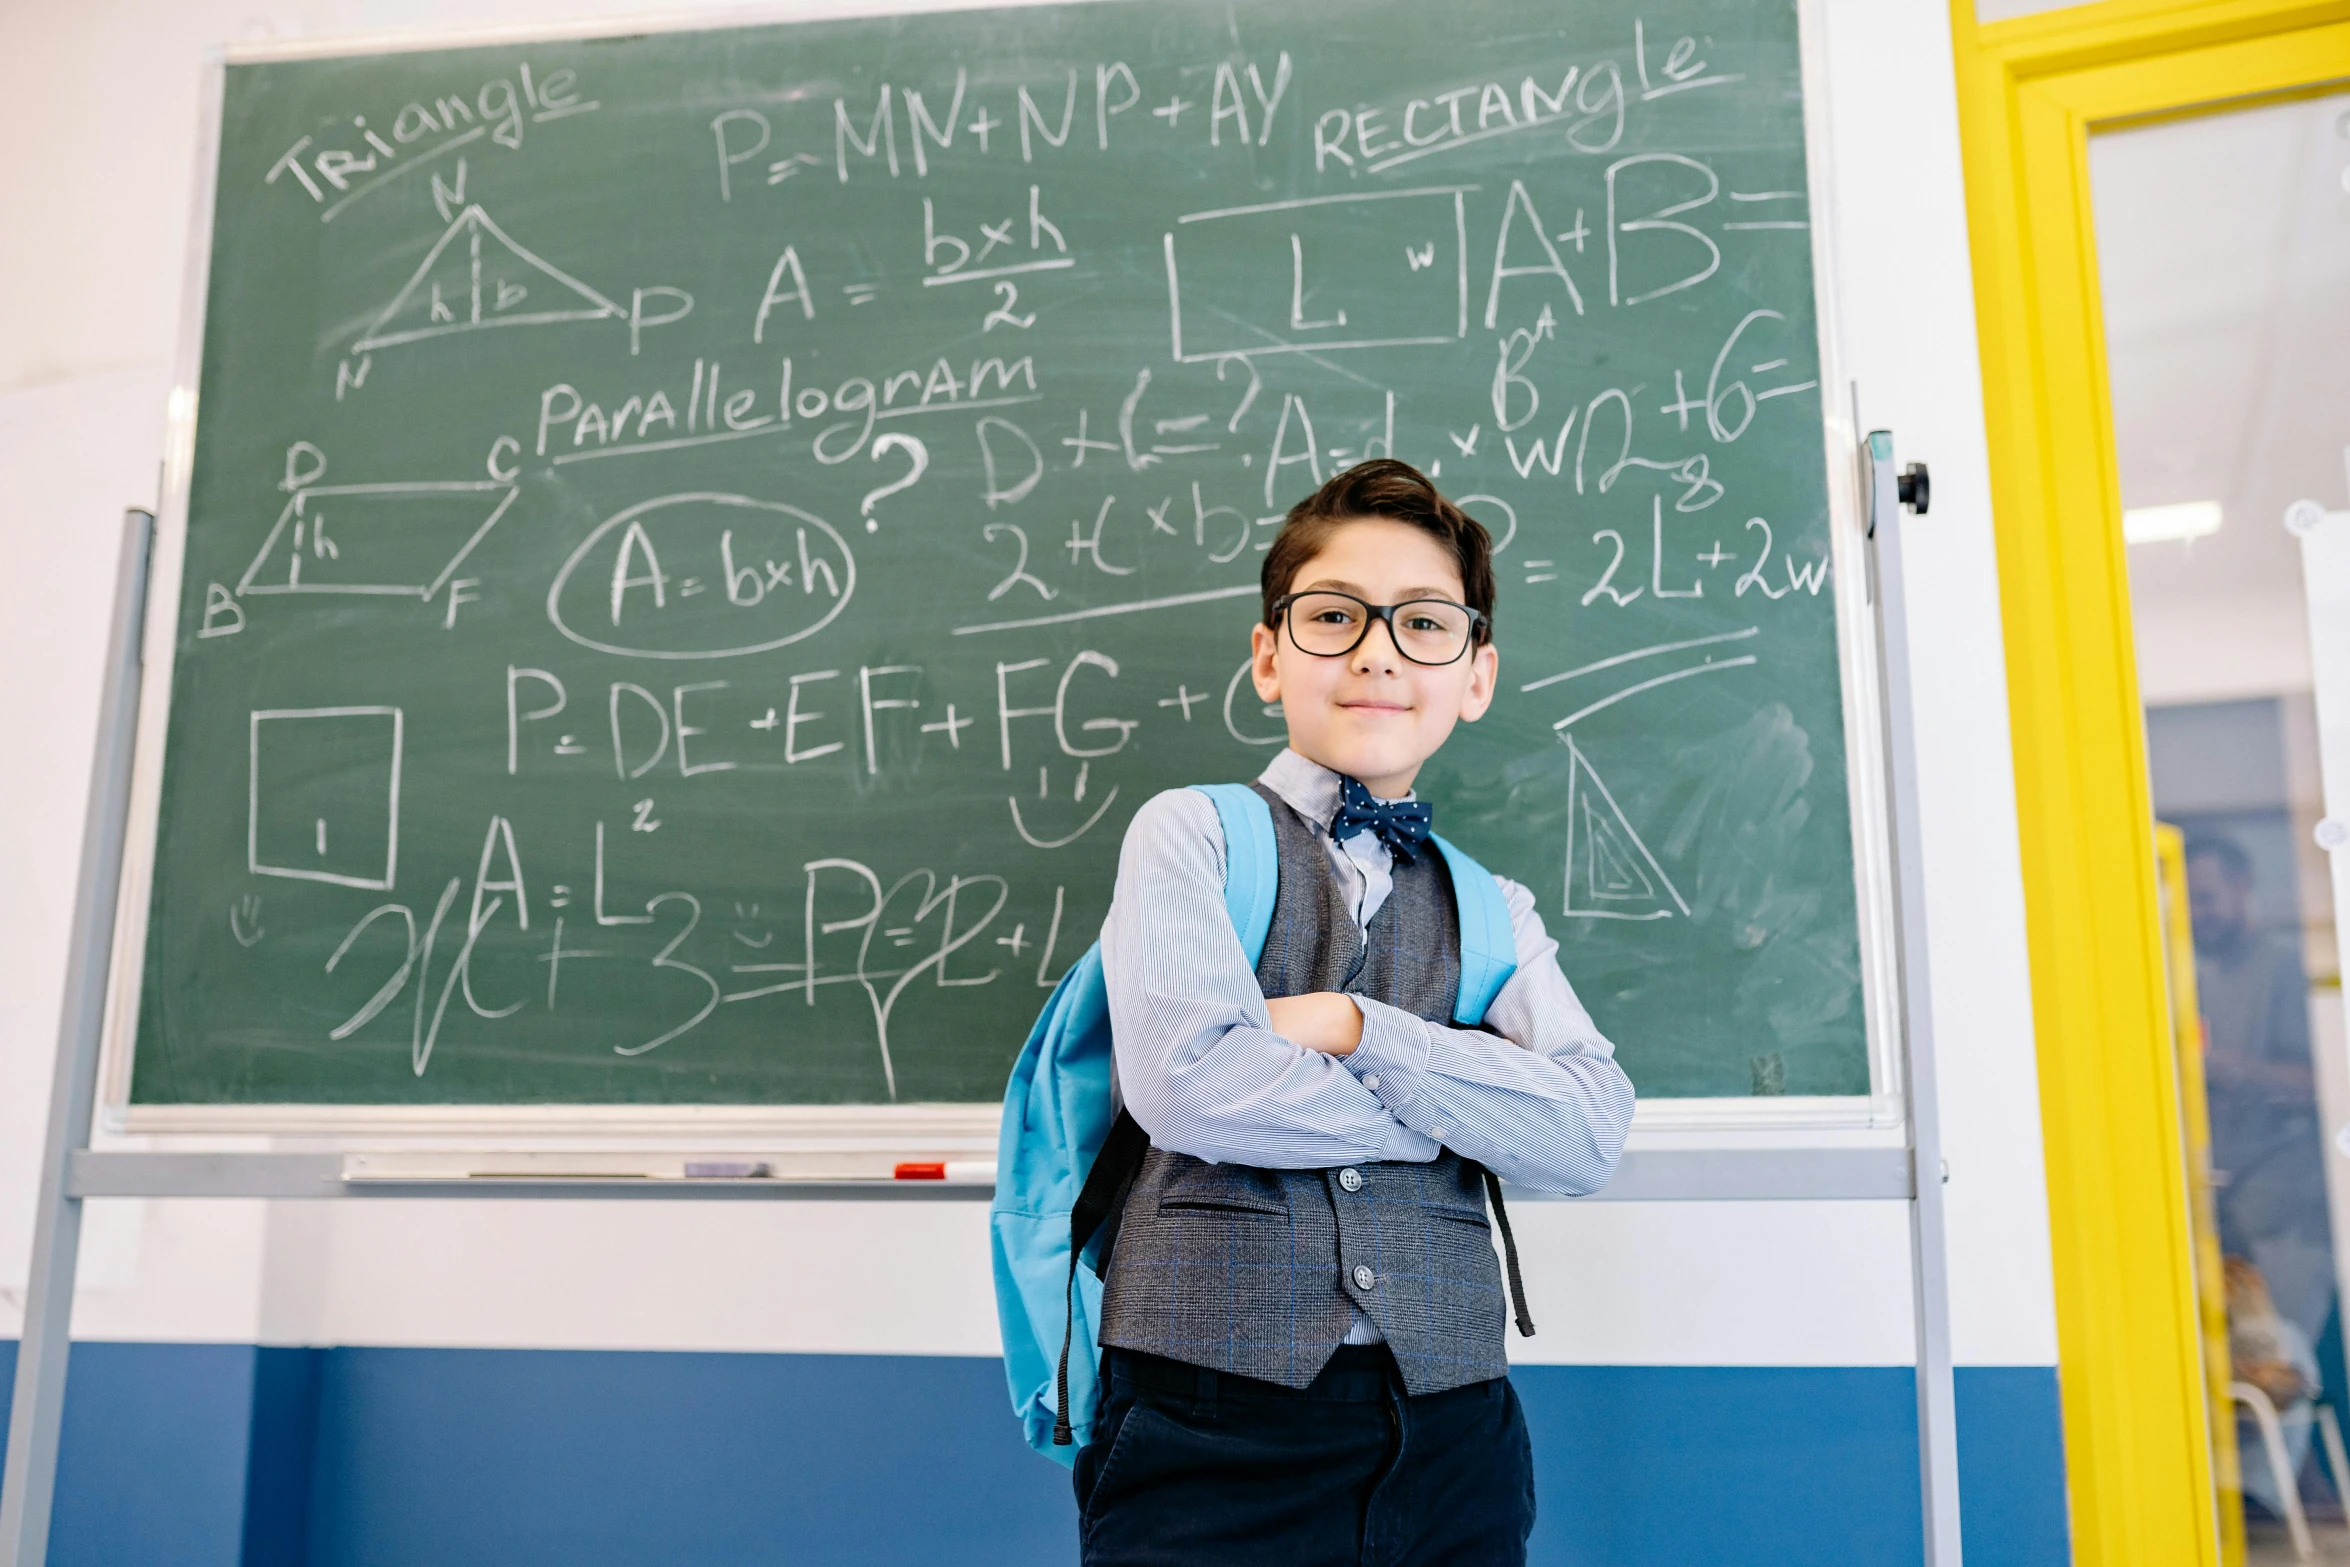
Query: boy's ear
{"points": [[1484, 678], [1262, 645]]}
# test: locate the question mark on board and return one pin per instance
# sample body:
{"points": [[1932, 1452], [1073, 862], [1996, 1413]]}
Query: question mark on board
{"points": [[915, 450]]}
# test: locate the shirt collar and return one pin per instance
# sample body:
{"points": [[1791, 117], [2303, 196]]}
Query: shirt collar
{"points": [[1309, 788]]}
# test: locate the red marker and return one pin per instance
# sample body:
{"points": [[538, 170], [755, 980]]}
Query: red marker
{"points": [[978, 1171]]}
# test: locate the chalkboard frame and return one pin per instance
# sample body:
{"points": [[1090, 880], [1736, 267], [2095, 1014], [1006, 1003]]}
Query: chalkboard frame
{"points": [[831, 1132]]}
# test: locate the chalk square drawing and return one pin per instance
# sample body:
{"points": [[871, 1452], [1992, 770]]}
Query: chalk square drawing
{"points": [[477, 285], [322, 797], [1297, 277], [404, 540], [1619, 879]]}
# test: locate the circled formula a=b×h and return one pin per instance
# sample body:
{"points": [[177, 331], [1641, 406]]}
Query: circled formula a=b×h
{"points": [[702, 575]]}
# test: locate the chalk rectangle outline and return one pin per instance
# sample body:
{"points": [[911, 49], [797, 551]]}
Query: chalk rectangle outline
{"points": [[253, 865], [1461, 239]]}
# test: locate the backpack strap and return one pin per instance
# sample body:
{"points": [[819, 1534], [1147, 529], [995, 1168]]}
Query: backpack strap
{"points": [[1489, 945], [1096, 1214], [1252, 871], [1489, 949], [1252, 865], [1489, 956], [1509, 1248]]}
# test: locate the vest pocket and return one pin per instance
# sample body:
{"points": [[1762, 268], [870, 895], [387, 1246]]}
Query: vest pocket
{"points": [[1222, 1188]]}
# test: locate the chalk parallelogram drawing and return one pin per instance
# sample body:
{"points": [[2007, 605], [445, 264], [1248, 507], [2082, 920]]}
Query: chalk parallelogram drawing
{"points": [[476, 277], [1611, 875], [402, 540], [322, 798]]}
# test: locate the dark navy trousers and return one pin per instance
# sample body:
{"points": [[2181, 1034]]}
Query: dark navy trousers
{"points": [[1197, 1468]]}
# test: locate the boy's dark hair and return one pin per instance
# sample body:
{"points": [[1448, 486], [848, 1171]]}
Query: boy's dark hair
{"points": [[1383, 487]]}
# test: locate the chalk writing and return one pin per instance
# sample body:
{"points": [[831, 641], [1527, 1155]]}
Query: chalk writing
{"points": [[630, 470]]}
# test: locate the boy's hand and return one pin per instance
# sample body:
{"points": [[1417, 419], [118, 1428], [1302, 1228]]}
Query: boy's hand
{"points": [[1325, 1021]]}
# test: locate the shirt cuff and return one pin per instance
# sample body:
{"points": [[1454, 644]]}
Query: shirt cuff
{"points": [[1392, 1056]]}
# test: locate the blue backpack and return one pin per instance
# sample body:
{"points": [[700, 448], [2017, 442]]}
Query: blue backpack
{"points": [[1067, 1154]]}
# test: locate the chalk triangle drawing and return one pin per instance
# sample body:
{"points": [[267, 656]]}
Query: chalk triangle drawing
{"points": [[475, 277], [1610, 873]]}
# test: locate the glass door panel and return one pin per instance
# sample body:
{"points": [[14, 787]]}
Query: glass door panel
{"points": [[2224, 252]]}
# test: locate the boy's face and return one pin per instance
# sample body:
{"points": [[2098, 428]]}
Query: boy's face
{"points": [[1373, 714]]}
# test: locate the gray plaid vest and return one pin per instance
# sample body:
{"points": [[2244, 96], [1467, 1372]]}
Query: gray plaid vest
{"points": [[1259, 1272]]}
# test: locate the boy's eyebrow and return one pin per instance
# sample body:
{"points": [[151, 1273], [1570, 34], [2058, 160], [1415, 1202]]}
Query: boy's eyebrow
{"points": [[1406, 595]]}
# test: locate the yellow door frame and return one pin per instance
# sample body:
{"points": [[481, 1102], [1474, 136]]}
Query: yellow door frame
{"points": [[2186, 1027], [2137, 1450]]}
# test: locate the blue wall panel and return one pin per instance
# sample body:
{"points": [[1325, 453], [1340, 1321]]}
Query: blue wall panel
{"points": [[152, 1458], [1642, 1464], [281, 1458], [1650, 1464], [2011, 1466], [228, 1456], [454, 1458]]}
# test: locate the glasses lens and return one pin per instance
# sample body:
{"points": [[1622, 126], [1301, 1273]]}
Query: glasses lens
{"points": [[1325, 623], [1431, 631]]}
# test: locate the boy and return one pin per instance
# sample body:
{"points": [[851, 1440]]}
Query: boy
{"points": [[1302, 1315]]}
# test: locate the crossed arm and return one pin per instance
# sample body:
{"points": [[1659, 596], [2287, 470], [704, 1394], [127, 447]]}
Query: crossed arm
{"points": [[1212, 1069]]}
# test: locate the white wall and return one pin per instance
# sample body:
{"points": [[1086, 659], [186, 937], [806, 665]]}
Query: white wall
{"points": [[108, 92]]}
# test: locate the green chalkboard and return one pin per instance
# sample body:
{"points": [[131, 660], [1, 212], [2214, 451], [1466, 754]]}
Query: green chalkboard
{"points": [[697, 543]]}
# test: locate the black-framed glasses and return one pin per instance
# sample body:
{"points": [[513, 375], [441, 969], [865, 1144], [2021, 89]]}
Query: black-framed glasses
{"points": [[1332, 625]]}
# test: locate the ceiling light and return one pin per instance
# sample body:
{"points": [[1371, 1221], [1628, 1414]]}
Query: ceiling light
{"points": [[2160, 524]]}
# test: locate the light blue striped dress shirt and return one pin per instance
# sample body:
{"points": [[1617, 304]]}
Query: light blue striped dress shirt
{"points": [[1539, 1100]]}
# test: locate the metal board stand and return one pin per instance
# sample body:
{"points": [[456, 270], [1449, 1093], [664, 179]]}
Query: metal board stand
{"points": [[1644, 1175], [71, 1171], [38, 1412], [1888, 494]]}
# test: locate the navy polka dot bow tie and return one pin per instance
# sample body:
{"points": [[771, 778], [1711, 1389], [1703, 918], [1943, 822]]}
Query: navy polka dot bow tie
{"points": [[1401, 824]]}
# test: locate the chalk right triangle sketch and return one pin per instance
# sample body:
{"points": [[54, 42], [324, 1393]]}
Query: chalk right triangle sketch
{"points": [[1611, 875], [476, 276]]}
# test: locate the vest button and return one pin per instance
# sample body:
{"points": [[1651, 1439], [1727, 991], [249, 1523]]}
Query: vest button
{"points": [[1364, 1277]]}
